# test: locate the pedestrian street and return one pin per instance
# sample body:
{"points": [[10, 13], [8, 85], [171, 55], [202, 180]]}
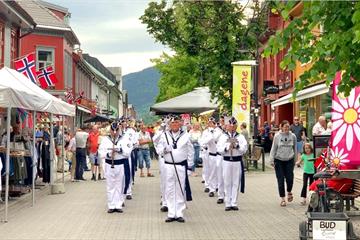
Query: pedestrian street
{"points": [[81, 213]]}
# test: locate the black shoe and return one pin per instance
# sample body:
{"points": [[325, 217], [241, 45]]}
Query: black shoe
{"points": [[100, 178], [207, 190], [111, 210], [164, 209], [220, 201], [202, 181], [169, 219], [212, 194], [93, 177], [82, 179], [228, 209], [235, 208], [180, 219], [119, 210], [128, 197], [123, 205]]}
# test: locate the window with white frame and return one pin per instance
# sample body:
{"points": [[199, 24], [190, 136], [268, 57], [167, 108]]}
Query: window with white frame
{"points": [[45, 57], [68, 70]]}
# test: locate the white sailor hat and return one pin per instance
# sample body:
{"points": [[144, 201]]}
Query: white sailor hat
{"points": [[232, 121], [114, 126], [174, 118], [212, 119]]}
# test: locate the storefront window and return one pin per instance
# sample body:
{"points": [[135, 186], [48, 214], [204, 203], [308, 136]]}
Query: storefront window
{"points": [[310, 110], [325, 105]]}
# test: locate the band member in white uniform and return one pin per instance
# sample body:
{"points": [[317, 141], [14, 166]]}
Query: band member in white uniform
{"points": [[115, 149], [220, 129], [204, 154], [232, 146], [132, 136], [177, 149], [156, 140], [209, 139]]}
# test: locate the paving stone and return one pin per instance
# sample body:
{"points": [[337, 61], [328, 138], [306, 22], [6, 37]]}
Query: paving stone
{"points": [[80, 213]]}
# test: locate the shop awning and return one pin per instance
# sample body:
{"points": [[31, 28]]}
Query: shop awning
{"points": [[98, 118], [17, 91], [310, 92], [83, 109]]}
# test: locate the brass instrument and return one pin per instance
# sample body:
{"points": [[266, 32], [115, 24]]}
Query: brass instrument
{"points": [[233, 143]]}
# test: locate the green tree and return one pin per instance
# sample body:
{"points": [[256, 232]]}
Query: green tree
{"points": [[207, 34], [327, 35], [177, 75]]}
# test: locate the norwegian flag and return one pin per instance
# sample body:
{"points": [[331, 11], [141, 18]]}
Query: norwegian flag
{"points": [[26, 66], [69, 96], [47, 77], [81, 96]]}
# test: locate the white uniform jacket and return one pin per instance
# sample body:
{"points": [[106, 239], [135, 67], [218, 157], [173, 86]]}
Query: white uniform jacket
{"points": [[179, 145]]}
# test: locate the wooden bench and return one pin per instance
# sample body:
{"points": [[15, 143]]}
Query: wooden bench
{"points": [[349, 198], [257, 153]]}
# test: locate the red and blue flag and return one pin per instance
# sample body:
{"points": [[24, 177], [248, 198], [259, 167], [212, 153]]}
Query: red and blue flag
{"points": [[26, 66]]}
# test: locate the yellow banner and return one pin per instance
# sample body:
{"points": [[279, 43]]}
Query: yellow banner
{"points": [[241, 94]]}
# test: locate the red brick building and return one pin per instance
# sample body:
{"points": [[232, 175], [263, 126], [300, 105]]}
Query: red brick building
{"points": [[273, 82]]}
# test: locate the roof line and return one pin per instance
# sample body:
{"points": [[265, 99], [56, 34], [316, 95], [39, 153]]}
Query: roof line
{"points": [[54, 6], [31, 25]]}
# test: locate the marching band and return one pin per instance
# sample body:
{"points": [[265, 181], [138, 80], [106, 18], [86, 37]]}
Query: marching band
{"points": [[222, 149]]}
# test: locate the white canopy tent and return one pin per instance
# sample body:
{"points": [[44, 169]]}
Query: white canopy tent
{"points": [[197, 101], [17, 91]]}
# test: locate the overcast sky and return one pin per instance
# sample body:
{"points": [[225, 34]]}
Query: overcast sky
{"points": [[111, 31]]}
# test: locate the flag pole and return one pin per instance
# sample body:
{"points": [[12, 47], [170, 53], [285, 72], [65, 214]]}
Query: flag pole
{"points": [[7, 167], [34, 161]]}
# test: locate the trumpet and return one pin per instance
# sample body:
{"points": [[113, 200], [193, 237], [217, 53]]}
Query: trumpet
{"points": [[233, 143]]}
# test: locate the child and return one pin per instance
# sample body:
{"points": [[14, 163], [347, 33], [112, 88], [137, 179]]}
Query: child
{"points": [[309, 170]]}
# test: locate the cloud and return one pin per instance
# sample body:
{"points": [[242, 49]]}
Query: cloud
{"points": [[124, 24], [111, 30], [129, 62]]}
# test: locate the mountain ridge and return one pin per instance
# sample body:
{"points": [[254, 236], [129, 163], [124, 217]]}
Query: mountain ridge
{"points": [[142, 88]]}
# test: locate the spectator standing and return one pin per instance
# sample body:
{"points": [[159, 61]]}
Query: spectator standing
{"points": [[81, 139], [195, 134], [244, 132], [309, 170], [93, 145], [144, 151], [282, 155], [328, 129], [60, 140], [320, 126], [71, 156], [299, 131]]}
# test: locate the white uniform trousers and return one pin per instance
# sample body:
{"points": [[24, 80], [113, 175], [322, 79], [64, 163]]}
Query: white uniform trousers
{"points": [[205, 167], [220, 175], [174, 198], [115, 183], [162, 181], [129, 191], [232, 176], [212, 170]]}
